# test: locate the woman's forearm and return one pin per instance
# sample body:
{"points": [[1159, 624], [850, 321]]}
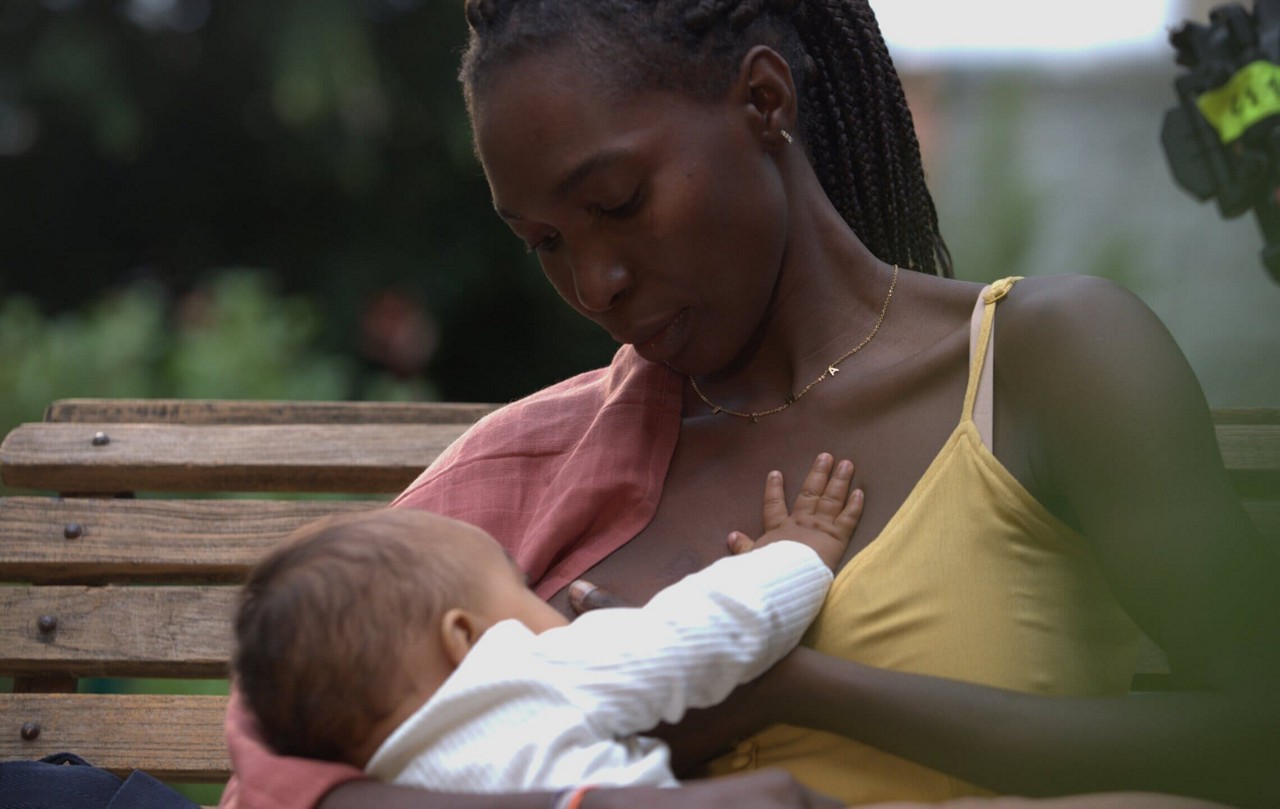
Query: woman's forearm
{"points": [[1216, 745], [766, 789], [366, 793]]}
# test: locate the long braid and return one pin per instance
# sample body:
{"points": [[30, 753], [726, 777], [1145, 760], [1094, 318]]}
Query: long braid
{"points": [[862, 137], [854, 117]]}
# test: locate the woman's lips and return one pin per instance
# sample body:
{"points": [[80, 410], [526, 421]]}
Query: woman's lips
{"points": [[666, 341]]}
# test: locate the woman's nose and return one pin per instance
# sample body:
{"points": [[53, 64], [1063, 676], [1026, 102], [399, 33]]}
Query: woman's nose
{"points": [[599, 283]]}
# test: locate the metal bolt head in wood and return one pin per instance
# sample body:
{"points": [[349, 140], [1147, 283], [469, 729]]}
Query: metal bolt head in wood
{"points": [[47, 624], [30, 731], [101, 439], [73, 530]]}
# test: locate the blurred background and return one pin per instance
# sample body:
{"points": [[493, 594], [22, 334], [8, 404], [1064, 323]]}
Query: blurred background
{"points": [[278, 198]]}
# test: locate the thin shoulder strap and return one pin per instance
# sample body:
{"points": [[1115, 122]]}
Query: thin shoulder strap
{"points": [[978, 398]]}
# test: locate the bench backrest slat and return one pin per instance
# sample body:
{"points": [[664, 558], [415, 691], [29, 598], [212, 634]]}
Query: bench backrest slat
{"points": [[97, 541], [362, 458], [116, 631], [1251, 453], [171, 737], [229, 411]]}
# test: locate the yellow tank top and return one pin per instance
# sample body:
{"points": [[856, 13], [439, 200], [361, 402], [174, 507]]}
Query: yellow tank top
{"points": [[972, 579]]}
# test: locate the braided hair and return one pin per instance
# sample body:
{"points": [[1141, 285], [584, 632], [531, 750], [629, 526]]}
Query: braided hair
{"points": [[853, 115]]}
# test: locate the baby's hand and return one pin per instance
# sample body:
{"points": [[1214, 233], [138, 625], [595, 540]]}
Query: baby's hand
{"points": [[823, 518]]}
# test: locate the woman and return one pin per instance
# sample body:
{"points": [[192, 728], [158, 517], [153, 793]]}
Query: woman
{"points": [[732, 189]]}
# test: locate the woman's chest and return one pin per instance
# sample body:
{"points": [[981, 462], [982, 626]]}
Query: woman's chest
{"points": [[715, 482]]}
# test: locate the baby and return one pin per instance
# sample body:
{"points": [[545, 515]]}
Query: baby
{"points": [[409, 644]]}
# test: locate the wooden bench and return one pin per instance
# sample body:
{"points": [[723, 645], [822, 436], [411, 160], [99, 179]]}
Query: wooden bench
{"points": [[103, 580], [98, 581]]}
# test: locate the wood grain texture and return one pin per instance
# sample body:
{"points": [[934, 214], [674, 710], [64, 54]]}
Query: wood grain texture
{"points": [[48, 540], [1246, 415], [1249, 447], [230, 411], [363, 458], [1251, 453], [116, 631], [174, 738]]}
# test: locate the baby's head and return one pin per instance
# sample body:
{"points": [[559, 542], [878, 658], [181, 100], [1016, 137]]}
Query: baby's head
{"points": [[352, 623]]}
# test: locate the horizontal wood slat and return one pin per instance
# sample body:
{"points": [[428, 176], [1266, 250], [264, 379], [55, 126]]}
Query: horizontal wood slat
{"points": [[174, 738], [1249, 447], [1246, 415], [364, 458], [367, 458], [99, 541], [116, 631], [229, 411], [1251, 453], [96, 541]]}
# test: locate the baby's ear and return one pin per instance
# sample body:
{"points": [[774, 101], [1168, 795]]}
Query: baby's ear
{"points": [[459, 631]]}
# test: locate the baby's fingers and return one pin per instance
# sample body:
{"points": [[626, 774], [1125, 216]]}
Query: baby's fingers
{"points": [[815, 483], [835, 494], [775, 501], [740, 543], [848, 518]]}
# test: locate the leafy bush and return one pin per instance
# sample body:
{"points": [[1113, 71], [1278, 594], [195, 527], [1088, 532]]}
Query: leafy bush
{"points": [[235, 337]]}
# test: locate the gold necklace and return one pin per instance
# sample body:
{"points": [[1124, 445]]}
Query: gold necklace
{"points": [[831, 371]]}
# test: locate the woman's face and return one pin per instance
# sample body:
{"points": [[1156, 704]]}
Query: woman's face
{"points": [[659, 217]]}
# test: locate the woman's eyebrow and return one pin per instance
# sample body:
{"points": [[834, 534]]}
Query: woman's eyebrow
{"points": [[574, 178], [579, 175]]}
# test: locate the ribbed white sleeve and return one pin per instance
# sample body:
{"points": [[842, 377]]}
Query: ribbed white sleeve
{"points": [[559, 709], [695, 641]]}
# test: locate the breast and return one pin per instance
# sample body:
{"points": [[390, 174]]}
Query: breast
{"points": [[973, 579]]}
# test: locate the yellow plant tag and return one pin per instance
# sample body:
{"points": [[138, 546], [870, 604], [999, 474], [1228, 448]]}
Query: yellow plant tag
{"points": [[1251, 95]]}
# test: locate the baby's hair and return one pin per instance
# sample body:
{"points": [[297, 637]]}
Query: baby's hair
{"points": [[853, 114], [322, 621]]}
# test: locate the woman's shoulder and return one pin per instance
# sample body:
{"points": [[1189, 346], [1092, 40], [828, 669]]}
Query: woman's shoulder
{"points": [[1076, 318], [1063, 339], [1067, 300], [1041, 313]]}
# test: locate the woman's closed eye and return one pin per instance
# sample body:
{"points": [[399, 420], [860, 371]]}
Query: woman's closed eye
{"points": [[546, 244], [627, 208], [549, 242]]}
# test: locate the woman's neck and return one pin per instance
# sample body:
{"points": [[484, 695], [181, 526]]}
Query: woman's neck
{"points": [[829, 296]]}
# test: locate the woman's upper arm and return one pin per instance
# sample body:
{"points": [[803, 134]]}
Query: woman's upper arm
{"points": [[1124, 433]]}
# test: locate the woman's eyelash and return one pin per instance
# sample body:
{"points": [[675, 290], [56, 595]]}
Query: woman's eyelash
{"points": [[552, 240], [545, 244], [624, 209]]}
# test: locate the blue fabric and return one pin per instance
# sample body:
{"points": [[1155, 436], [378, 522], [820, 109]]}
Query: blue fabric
{"points": [[67, 781]]}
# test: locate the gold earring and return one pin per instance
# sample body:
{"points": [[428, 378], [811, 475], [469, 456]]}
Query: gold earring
{"points": [[786, 136]]}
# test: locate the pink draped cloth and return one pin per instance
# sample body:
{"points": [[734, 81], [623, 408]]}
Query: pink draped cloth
{"points": [[562, 479]]}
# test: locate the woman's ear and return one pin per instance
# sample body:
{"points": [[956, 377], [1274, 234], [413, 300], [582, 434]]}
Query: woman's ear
{"points": [[459, 631], [766, 88]]}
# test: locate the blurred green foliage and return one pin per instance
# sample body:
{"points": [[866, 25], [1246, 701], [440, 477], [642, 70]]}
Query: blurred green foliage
{"points": [[234, 337], [323, 140]]}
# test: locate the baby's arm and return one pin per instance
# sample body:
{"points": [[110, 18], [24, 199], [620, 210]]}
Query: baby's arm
{"points": [[824, 516], [698, 639]]}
